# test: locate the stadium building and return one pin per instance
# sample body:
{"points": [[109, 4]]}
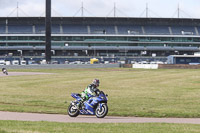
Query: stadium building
{"points": [[113, 39]]}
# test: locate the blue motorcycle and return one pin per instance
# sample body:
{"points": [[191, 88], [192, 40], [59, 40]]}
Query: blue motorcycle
{"points": [[93, 106]]}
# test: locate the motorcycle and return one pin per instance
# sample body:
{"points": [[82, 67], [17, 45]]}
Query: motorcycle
{"points": [[4, 70], [93, 106]]}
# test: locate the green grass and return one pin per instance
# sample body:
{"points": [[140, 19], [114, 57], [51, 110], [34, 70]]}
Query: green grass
{"points": [[132, 92], [53, 127]]}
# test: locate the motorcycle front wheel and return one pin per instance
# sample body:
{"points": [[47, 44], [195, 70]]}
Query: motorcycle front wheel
{"points": [[101, 112], [73, 111]]}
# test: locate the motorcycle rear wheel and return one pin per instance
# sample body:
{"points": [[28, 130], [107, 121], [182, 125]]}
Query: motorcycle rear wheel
{"points": [[101, 113], [73, 111]]}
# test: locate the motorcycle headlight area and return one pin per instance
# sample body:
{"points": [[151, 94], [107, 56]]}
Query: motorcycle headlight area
{"points": [[104, 98]]}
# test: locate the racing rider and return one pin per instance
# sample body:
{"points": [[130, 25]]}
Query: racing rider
{"points": [[90, 91]]}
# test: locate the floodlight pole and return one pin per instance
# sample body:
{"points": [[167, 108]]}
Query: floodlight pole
{"points": [[48, 32]]}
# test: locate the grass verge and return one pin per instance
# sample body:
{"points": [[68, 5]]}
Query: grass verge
{"points": [[132, 92], [53, 127]]}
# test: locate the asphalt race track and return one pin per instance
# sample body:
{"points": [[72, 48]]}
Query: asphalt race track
{"points": [[91, 119], [21, 73]]}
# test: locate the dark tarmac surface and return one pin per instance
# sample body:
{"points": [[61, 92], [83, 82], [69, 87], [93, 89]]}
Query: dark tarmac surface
{"points": [[21, 73]]}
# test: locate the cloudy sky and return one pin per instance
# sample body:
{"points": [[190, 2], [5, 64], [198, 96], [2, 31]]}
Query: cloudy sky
{"points": [[103, 8]]}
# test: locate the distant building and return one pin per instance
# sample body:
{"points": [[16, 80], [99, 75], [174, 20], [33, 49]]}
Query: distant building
{"points": [[80, 37], [183, 59]]}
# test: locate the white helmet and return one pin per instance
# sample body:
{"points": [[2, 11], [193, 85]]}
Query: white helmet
{"points": [[96, 82]]}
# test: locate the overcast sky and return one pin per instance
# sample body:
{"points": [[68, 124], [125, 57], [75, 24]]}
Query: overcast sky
{"points": [[103, 8]]}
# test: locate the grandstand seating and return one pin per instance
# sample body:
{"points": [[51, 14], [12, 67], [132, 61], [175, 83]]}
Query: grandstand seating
{"points": [[129, 29], [102, 29], [40, 28], [198, 30], [2, 28], [76, 29], [89, 36], [20, 29], [183, 30], [55, 29], [158, 30]]}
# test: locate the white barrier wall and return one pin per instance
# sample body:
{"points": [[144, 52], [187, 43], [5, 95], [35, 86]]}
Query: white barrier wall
{"points": [[146, 66]]}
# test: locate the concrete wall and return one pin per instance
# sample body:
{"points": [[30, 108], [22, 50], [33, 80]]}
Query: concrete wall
{"points": [[146, 66], [166, 66]]}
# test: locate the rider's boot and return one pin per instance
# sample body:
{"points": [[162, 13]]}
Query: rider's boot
{"points": [[80, 105]]}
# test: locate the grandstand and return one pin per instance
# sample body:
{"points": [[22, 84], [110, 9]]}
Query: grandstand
{"points": [[75, 38]]}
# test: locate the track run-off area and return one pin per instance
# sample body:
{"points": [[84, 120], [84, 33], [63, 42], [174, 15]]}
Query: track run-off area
{"points": [[91, 119], [81, 118]]}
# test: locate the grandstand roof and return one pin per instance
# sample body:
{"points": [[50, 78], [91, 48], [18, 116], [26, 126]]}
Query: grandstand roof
{"points": [[101, 20]]}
